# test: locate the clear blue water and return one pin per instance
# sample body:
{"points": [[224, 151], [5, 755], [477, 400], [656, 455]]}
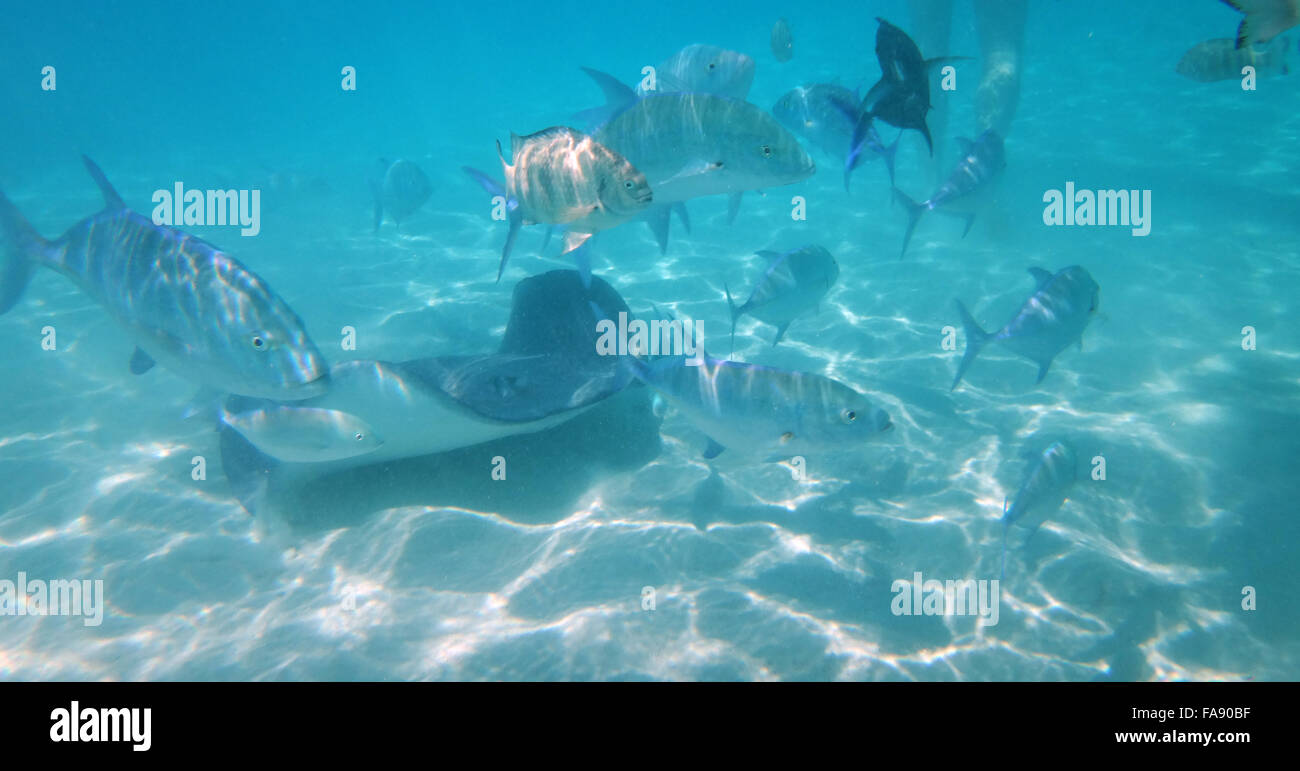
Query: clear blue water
{"points": [[427, 569]]}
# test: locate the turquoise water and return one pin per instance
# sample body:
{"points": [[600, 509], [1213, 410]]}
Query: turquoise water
{"points": [[427, 568]]}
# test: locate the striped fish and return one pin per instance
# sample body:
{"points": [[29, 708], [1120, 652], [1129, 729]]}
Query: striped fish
{"points": [[1051, 474], [966, 190], [184, 302]]}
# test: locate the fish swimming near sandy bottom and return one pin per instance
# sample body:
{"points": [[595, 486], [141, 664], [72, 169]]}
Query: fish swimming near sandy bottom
{"points": [[546, 372], [792, 285], [694, 145], [1051, 474], [1265, 19], [827, 115], [291, 432], [1220, 59], [902, 95], [704, 69], [561, 176], [773, 413], [399, 188], [1052, 319], [185, 303], [968, 188], [782, 41]]}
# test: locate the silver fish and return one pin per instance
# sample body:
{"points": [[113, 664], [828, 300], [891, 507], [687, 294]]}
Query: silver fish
{"points": [[965, 191], [400, 189], [184, 302], [782, 41], [775, 413], [1052, 319], [561, 176], [1220, 59], [827, 115], [304, 434], [693, 145], [704, 69], [1265, 19], [793, 284], [1051, 474]]}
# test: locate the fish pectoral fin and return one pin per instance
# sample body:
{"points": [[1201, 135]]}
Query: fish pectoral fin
{"points": [[1042, 371], [574, 239], [141, 362], [713, 450], [657, 218]]}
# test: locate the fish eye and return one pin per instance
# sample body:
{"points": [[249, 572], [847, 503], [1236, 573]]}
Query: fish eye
{"points": [[360, 437], [848, 416], [259, 343], [717, 164], [713, 65], [766, 150], [628, 184]]}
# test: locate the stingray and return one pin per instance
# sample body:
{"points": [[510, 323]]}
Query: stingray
{"points": [[546, 371]]}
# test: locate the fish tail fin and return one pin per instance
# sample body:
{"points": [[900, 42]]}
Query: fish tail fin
{"points": [[975, 340], [21, 250], [487, 183], [914, 212], [248, 469], [516, 219]]}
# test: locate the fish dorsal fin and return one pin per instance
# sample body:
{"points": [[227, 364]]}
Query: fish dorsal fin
{"points": [[516, 144], [1041, 276], [967, 145], [770, 256], [617, 94], [111, 197]]}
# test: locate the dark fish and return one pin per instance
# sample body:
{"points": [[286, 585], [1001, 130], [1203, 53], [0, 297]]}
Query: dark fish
{"points": [[782, 41], [184, 302], [1220, 59], [1053, 318], [961, 194], [1265, 19], [902, 96], [827, 115], [400, 188]]}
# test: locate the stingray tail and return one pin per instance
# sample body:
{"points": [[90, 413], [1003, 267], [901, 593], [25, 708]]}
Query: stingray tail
{"points": [[976, 338]]}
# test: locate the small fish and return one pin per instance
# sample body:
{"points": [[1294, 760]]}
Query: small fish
{"points": [[693, 145], [782, 41], [1051, 473], [1053, 318], [902, 95], [793, 284], [1220, 59], [400, 188], [775, 413], [1265, 19], [827, 115], [304, 434], [704, 69], [561, 176], [965, 191], [184, 302]]}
